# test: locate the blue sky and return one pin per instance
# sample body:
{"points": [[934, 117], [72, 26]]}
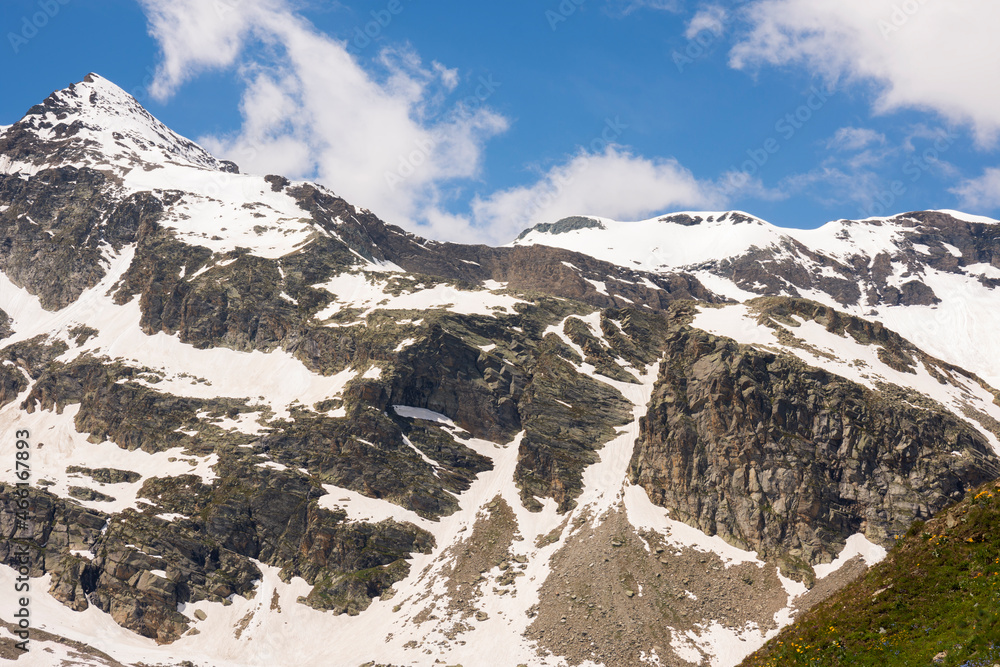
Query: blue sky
{"points": [[469, 121]]}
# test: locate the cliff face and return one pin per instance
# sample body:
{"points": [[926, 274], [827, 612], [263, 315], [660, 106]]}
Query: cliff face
{"points": [[790, 460]]}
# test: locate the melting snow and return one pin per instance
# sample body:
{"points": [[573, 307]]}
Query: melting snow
{"points": [[857, 545]]}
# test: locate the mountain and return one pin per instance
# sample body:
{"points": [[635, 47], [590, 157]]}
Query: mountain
{"points": [[929, 275], [265, 427]]}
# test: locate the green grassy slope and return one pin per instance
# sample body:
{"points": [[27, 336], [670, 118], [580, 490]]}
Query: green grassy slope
{"points": [[937, 592]]}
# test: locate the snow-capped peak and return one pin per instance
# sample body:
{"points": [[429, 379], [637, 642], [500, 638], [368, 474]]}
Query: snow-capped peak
{"points": [[97, 124], [662, 243]]}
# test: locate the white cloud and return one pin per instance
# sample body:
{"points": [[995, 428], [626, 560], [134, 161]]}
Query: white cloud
{"points": [[310, 110], [611, 183], [923, 54], [855, 138], [386, 140], [982, 193], [199, 35], [710, 19]]}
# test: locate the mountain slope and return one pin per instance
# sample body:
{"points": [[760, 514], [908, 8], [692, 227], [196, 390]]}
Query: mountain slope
{"points": [[934, 600], [259, 415], [929, 275]]}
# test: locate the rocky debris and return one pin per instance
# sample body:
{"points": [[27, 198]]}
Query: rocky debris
{"points": [[487, 546], [107, 475], [586, 613], [83, 493], [789, 460], [830, 584]]}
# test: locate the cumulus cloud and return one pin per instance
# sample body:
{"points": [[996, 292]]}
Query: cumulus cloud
{"points": [[386, 138], [310, 110], [710, 19], [612, 183], [199, 35], [936, 56], [981, 193]]}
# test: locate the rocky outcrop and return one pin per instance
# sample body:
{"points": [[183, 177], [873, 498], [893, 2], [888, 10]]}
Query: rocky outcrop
{"points": [[56, 224], [568, 417], [116, 405], [475, 388], [563, 226], [107, 475], [274, 518], [5, 325], [552, 271], [12, 383], [789, 460], [34, 355]]}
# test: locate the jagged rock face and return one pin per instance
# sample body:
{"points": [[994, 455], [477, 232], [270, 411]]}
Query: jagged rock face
{"points": [[549, 270], [790, 460], [52, 234], [5, 321], [567, 420], [475, 388]]}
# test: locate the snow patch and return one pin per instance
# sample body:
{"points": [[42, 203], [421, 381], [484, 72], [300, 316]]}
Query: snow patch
{"points": [[857, 545]]}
